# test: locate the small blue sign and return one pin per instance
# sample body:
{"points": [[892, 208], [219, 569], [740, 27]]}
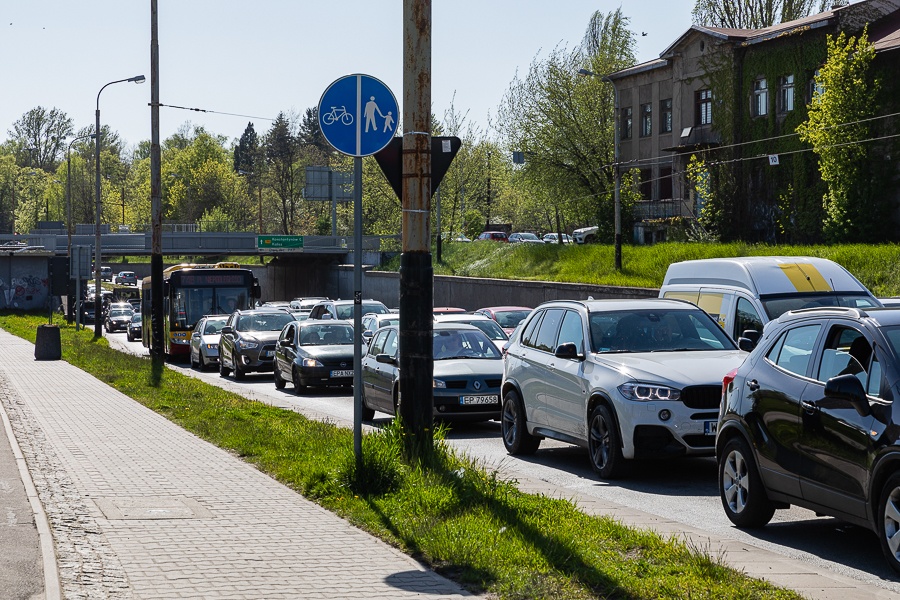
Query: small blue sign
{"points": [[358, 115]]}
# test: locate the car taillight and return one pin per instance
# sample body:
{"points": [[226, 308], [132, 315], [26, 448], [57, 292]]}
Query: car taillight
{"points": [[728, 380]]}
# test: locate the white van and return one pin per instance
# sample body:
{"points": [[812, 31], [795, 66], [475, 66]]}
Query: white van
{"points": [[745, 293]]}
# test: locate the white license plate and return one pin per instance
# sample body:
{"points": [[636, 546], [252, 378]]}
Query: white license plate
{"points": [[492, 399], [270, 353], [709, 427], [342, 373]]}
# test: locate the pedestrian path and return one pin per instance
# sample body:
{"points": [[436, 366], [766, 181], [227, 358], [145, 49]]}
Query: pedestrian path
{"points": [[140, 508]]}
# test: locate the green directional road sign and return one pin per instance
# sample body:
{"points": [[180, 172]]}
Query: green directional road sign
{"points": [[279, 243]]}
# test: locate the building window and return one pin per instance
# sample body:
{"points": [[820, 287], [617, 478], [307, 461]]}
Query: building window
{"points": [[625, 126], [665, 183], [786, 93], [760, 98], [815, 88], [703, 102], [665, 116], [646, 185], [646, 120]]}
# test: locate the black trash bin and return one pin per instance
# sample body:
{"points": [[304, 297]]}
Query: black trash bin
{"points": [[47, 345]]}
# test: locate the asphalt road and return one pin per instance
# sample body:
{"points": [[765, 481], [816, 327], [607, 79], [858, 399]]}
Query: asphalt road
{"points": [[681, 490]]}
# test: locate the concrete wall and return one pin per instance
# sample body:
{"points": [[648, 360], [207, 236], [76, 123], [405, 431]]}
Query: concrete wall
{"points": [[24, 283]]}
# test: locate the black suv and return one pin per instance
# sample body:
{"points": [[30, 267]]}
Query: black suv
{"points": [[808, 419], [248, 341]]}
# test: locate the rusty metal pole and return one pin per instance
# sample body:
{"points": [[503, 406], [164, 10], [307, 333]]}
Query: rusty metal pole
{"points": [[157, 350], [416, 273]]}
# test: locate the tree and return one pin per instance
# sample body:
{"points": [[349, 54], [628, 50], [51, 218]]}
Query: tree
{"points": [[753, 14], [282, 150], [40, 136], [310, 134], [837, 128], [246, 153]]}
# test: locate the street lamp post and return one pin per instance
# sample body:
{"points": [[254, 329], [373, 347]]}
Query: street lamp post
{"points": [[98, 326], [69, 212], [617, 206]]}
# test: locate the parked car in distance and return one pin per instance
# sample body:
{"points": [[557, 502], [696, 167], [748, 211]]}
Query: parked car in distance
{"points": [[467, 373], [524, 237], [494, 236], [314, 353], [247, 342], [307, 302], [585, 235], [553, 238], [343, 309], [489, 326], [626, 379], [117, 319], [455, 237], [125, 278], [134, 330], [205, 341], [508, 317], [106, 274], [811, 418], [373, 322]]}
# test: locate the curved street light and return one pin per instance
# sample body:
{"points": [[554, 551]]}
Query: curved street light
{"points": [[98, 326]]}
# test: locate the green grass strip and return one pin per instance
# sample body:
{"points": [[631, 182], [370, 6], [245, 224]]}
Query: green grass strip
{"points": [[466, 523]]}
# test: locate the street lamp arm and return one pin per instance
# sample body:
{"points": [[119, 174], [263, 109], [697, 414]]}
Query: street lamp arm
{"points": [[135, 79]]}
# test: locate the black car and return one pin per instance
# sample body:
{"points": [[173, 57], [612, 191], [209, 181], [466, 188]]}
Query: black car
{"points": [[135, 327], [117, 319], [248, 341], [314, 353], [810, 419]]}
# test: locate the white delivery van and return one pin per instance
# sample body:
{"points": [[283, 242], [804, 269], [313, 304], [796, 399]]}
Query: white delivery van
{"points": [[745, 293]]}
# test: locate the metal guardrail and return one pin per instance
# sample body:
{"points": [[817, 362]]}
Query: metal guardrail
{"points": [[198, 243]]}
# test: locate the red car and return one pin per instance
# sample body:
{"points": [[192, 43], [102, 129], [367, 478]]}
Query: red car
{"points": [[494, 236], [506, 316]]}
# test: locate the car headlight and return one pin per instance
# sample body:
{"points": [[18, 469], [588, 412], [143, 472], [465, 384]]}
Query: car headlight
{"points": [[246, 344], [647, 392], [437, 383], [212, 346], [311, 362]]}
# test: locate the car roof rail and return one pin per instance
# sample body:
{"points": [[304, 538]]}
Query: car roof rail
{"points": [[844, 310]]}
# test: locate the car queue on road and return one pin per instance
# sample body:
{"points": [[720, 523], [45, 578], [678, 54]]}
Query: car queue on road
{"points": [[766, 375]]}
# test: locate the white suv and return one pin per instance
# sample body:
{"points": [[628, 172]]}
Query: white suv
{"points": [[624, 378]]}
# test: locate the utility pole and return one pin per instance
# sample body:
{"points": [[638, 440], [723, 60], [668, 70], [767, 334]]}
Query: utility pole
{"points": [[156, 266], [416, 273]]}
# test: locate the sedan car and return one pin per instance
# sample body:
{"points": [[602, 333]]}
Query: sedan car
{"points": [[625, 379], [117, 319], [524, 238], [314, 353], [247, 341], [205, 341], [508, 317], [495, 236], [811, 418], [125, 278], [553, 238], [135, 327], [467, 373]]}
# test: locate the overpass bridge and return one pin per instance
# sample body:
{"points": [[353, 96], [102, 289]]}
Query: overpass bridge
{"points": [[205, 243]]}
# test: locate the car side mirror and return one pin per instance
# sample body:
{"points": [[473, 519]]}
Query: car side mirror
{"points": [[568, 351], [227, 329], [752, 335], [746, 344], [367, 335], [386, 359], [849, 388]]}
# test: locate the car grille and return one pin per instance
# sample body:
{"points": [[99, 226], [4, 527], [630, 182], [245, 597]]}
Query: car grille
{"points": [[702, 396], [264, 350], [490, 384]]}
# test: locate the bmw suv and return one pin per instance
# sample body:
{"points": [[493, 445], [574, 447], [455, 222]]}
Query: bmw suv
{"points": [[811, 419], [625, 379], [247, 342]]}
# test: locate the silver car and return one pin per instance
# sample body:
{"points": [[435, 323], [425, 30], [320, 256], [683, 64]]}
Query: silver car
{"points": [[623, 378], [205, 341]]}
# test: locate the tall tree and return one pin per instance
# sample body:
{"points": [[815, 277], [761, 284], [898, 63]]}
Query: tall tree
{"points": [[282, 150], [310, 134], [246, 153], [40, 136], [753, 14]]}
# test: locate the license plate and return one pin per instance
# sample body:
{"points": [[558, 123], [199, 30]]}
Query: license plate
{"points": [[270, 353], [492, 399], [342, 373], [709, 427]]}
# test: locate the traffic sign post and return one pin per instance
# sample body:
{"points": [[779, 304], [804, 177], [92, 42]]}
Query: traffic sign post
{"points": [[358, 115]]}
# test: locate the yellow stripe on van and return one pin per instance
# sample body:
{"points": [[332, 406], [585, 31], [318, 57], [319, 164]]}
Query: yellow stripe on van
{"points": [[805, 277]]}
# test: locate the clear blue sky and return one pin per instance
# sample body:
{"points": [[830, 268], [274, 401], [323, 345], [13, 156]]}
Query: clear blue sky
{"points": [[263, 57]]}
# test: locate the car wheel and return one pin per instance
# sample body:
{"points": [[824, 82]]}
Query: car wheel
{"points": [[604, 446], [889, 521], [130, 337], [396, 400], [299, 388], [279, 382], [203, 364], [514, 429], [740, 487], [239, 373], [193, 362], [367, 413], [223, 370]]}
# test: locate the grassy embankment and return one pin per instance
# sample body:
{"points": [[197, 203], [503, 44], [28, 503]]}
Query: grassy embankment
{"points": [[466, 523]]}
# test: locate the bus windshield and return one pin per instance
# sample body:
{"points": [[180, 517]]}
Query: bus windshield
{"points": [[191, 303]]}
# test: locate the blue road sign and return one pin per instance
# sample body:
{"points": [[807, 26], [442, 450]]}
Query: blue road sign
{"points": [[358, 115]]}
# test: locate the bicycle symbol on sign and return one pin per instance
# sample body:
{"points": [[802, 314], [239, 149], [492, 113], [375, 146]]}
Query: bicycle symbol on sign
{"points": [[338, 114]]}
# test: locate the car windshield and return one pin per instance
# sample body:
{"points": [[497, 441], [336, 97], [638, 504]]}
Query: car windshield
{"points": [[120, 312], [490, 328], [450, 344], [657, 330], [778, 305], [264, 322], [528, 236], [136, 318], [510, 318], [213, 327], [326, 335], [345, 311]]}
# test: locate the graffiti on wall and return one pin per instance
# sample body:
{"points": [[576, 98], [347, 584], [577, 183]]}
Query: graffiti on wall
{"points": [[25, 292]]}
